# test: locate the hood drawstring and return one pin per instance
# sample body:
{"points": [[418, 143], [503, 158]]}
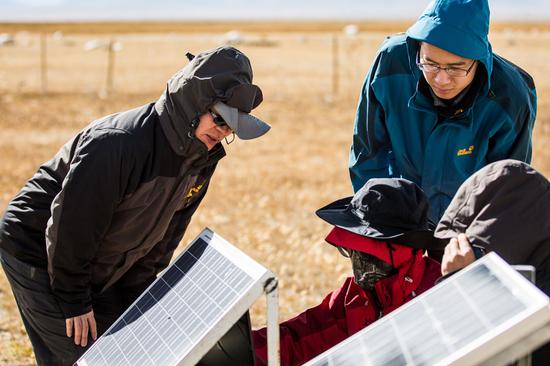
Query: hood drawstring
{"points": [[390, 249], [194, 124]]}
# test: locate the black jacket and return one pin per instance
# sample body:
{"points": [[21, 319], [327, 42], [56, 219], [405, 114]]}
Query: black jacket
{"points": [[114, 202]]}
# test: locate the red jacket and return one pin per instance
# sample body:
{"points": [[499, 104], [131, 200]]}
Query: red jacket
{"points": [[347, 310]]}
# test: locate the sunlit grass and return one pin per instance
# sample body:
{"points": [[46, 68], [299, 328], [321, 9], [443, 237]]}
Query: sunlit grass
{"points": [[264, 194]]}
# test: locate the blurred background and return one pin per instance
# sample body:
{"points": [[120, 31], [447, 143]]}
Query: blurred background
{"points": [[65, 63]]}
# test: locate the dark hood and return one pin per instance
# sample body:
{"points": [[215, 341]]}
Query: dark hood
{"points": [[504, 207], [221, 74]]}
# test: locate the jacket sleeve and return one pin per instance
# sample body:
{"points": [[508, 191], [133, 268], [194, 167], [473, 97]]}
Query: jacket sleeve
{"points": [[81, 214], [514, 141], [145, 270], [370, 148], [308, 334]]}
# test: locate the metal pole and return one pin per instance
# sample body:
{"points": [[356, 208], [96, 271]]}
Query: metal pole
{"points": [[272, 297], [110, 66], [43, 64], [528, 272]]}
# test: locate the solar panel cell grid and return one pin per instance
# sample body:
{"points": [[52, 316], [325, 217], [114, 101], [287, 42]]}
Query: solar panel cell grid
{"points": [[438, 324], [175, 312]]}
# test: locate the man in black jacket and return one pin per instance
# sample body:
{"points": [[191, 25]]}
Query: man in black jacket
{"points": [[96, 224]]}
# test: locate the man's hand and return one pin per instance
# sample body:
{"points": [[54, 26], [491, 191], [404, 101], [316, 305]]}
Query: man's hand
{"points": [[82, 324], [458, 254]]}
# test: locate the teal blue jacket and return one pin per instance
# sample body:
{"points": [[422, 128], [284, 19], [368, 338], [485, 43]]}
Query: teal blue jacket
{"points": [[399, 132]]}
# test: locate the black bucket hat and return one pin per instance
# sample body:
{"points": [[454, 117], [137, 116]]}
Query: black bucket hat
{"points": [[393, 209]]}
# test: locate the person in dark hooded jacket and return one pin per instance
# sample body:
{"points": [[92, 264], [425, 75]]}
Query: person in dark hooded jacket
{"points": [[437, 105], [384, 230], [96, 224], [505, 208]]}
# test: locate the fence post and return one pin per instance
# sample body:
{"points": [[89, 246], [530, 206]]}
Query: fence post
{"points": [[335, 65], [110, 67], [43, 63]]}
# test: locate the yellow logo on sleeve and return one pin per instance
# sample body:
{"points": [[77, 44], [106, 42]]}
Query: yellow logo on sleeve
{"points": [[194, 190], [465, 151]]}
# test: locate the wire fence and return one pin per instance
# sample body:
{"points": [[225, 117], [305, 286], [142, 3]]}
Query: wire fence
{"points": [[283, 63], [57, 63]]}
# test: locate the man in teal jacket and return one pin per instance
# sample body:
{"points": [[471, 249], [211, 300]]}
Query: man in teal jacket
{"points": [[437, 105]]}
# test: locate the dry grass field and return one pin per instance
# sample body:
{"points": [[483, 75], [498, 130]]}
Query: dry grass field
{"points": [[265, 192]]}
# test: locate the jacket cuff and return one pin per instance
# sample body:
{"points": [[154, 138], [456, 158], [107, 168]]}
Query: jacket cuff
{"points": [[72, 310]]}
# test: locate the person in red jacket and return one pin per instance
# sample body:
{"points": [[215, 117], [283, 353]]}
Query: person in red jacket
{"points": [[384, 230]]}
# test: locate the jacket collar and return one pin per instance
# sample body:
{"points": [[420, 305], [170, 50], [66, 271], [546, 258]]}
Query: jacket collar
{"points": [[388, 294], [394, 291]]}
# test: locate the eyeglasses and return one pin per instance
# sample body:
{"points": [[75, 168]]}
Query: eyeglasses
{"points": [[344, 251], [434, 68]]}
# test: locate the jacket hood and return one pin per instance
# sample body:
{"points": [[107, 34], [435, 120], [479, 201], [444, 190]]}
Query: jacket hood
{"points": [[221, 74], [457, 26], [505, 208]]}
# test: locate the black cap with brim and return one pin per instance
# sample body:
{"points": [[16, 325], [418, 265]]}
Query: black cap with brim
{"points": [[245, 125], [339, 214]]}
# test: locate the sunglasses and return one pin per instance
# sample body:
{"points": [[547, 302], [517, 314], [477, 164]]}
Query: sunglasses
{"points": [[218, 120]]}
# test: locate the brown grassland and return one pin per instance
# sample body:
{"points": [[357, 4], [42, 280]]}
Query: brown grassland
{"points": [[266, 191]]}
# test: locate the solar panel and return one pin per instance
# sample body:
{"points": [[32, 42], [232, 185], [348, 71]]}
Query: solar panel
{"points": [[468, 319], [188, 308]]}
